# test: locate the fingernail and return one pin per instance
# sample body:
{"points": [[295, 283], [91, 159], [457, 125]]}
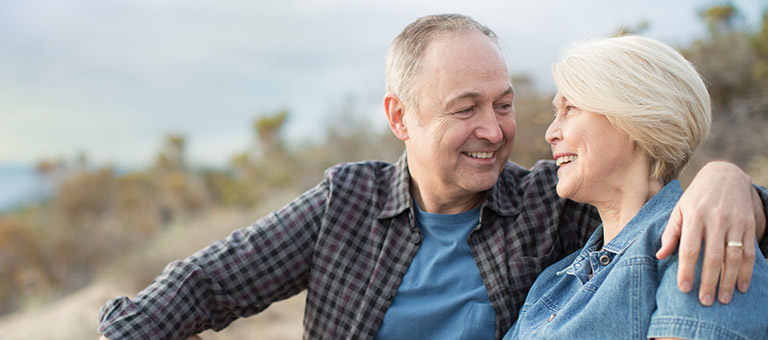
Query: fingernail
{"points": [[743, 287], [707, 300], [685, 286], [725, 298]]}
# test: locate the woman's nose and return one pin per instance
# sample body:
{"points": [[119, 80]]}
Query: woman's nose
{"points": [[553, 134]]}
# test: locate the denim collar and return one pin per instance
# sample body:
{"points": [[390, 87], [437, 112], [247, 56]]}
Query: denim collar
{"points": [[588, 261]]}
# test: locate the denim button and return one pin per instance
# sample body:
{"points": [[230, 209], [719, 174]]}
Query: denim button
{"points": [[605, 259]]}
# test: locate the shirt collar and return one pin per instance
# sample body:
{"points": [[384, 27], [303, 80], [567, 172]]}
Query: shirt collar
{"points": [[506, 196], [503, 197], [398, 190]]}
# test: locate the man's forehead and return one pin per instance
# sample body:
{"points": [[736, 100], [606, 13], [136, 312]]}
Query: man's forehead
{"points": [[449, 41]]}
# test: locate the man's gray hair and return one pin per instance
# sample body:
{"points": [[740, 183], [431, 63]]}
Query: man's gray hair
{"points": [[404, 56]]}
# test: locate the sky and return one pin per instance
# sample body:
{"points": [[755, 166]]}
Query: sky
{"points": [[111, 78]]}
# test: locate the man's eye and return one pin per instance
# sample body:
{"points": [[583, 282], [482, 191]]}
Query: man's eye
{"points": [[466, 111]]}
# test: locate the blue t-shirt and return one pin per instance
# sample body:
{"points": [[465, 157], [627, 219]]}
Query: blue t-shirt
{"points": [[623, 292], [442, 295]]}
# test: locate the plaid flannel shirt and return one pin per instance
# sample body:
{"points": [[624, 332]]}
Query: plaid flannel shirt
{"points": [[349, 242]]}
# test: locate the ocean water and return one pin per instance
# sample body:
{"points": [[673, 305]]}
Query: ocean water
{"points": [[21, 185]]}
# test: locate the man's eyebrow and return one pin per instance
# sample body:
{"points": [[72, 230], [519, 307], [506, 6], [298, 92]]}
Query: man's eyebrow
{"points": [[466, 95], [509, 91]]}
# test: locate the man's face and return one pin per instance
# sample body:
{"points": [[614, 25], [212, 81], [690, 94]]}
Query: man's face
{"points": [[460, 133]]}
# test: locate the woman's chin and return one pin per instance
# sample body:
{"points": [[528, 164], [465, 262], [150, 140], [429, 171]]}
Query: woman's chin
{"points": [[564, 191], [561, 191]]}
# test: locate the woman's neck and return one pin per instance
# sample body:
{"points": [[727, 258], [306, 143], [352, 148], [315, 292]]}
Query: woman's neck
{"points": [[624, 202]]}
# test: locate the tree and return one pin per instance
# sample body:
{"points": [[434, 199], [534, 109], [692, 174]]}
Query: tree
{"points": [[733, 60]]}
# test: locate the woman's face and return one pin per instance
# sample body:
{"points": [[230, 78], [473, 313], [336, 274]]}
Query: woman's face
{"points": [[595, 159]]}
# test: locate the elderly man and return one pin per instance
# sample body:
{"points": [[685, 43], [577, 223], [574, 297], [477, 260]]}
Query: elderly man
{"points": [[445, 243]]}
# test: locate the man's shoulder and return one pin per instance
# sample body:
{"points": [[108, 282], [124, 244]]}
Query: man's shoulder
{"points": [[367, 177], [524, 189], [370, 183], [361, 171]]}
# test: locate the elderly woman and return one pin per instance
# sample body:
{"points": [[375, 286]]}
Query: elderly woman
{"points": [[629, 113]]}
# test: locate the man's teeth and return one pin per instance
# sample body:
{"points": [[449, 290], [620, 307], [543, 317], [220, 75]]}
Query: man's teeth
{"points": [[481, 155], [565, 159]]}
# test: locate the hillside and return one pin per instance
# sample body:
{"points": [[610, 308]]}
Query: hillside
{"points": [[75, 316]]}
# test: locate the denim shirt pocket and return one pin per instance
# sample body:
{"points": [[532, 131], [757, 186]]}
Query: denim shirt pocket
{"points": [[480, 323]]}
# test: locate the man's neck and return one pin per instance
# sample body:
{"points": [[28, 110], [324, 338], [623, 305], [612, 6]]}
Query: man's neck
{"points": [[446, 203]]}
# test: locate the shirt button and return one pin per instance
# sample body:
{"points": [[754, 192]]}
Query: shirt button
{"points": [[605, 259], [416, 238], [388, 296]]}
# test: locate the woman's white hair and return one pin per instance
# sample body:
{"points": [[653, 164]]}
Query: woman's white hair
{"points": [[645, 88]]}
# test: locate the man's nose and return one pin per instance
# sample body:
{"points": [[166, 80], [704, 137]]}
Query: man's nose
{"points": [[489, 128]]}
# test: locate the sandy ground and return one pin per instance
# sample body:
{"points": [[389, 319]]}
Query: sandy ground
{"points": [[75, 316]]}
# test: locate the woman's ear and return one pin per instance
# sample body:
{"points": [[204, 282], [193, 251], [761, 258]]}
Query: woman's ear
{"points": [[396, 116]]}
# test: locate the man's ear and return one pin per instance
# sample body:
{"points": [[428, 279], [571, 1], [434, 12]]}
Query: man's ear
{"points": [[396, 116]]}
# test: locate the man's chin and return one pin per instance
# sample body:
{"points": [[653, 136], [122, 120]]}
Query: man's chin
{"points": [[478, 184]]}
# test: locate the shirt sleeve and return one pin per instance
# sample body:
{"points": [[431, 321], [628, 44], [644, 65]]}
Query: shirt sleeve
{"points": [[237, 276], [763, 192], [680, 315]]}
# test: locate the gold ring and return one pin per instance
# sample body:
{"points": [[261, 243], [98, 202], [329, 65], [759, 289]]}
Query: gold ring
{"points": [[735, 244]]}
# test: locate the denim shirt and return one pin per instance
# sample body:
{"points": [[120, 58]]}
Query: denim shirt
{"points": [[623, 292]]}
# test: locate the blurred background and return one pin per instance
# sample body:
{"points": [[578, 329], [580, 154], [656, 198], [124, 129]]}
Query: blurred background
{"points": [[134, 133]]}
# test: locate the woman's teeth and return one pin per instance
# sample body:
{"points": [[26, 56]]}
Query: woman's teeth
{"points": [[565, 159]]}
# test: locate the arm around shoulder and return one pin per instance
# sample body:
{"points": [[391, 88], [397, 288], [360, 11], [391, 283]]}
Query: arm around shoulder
{"points": [[720, 206]]}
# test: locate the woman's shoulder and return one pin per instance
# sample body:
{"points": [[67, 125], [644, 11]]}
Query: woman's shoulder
{"points": [[681, 314]]}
